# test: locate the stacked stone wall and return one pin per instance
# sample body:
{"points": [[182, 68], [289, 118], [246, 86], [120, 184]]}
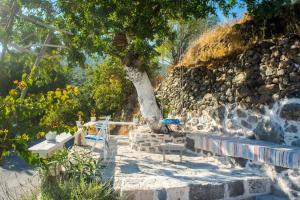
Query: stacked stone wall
{"points": [[253, 94], [143, 140]]}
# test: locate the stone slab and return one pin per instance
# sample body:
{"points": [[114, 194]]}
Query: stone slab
{"points": [[138, 173]]}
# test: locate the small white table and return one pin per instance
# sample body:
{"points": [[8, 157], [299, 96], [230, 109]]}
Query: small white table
{"points": [[46, 149], [110, 123], [172, 147]]}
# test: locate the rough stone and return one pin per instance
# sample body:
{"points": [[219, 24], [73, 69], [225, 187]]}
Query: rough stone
{"points": [[258, 186], [292, 129], [241, 113], [162, 194], [246, 124], [236, 188], [240, 78], [267, 88], [291, 112], [296, 143], [252, 119], [190, 144], [206, 192], [270, 71], [269, 131], [137, 195]]}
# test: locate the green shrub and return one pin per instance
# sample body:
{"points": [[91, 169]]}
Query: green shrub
{"points": [[67, 176]]}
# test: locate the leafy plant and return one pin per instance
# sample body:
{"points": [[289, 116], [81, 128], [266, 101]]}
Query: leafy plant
{"points": [[23, 120], [76, 176]]}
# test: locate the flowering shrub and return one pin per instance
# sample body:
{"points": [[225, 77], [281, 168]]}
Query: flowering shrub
{"points": [[23, 120]]}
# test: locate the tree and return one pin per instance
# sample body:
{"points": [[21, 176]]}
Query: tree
{"points": [[186, 32], [28, 44], [129, 30], [107, 87]]}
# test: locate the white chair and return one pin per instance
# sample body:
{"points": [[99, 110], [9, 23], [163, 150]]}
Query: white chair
{"points": [[102, 135]]}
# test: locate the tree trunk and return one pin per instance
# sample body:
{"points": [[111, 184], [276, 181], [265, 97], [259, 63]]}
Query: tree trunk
{"points": [[148, 106]]}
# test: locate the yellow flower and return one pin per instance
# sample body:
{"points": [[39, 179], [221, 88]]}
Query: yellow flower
{"points": [[76, 90], [25, 137], [40, 134], [13, 92], [68, 87]]}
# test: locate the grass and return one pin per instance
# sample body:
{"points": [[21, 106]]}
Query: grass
{"points": [[220, 42]]}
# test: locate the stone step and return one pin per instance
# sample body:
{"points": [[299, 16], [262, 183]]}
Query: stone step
{"points": [[251, 189], [270, 197], [144, 176]]}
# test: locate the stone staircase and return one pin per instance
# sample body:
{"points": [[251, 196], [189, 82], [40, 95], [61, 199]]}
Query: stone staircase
{"points": [[139, 175]]}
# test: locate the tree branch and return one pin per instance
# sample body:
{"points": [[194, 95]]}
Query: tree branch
{"points": [[42, 24], [9, 26], [36, 62], [21, 49]]}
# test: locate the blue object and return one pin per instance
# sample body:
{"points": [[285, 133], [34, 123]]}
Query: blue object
{"points": [[170, 121], [70, 143], [99, 126], [93, 137]]}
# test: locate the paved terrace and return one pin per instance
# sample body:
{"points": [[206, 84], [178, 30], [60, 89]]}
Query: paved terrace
{"points": [[143, 176]]}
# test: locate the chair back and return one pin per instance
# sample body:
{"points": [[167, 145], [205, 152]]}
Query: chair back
{"points": [[103, 124]]}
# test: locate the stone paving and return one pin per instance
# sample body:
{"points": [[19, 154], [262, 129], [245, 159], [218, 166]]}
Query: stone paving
{"points": [[16, 178], [142, 176]]}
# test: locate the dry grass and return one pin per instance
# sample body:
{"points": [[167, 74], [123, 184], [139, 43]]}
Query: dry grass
{"points": [[222, 41]]}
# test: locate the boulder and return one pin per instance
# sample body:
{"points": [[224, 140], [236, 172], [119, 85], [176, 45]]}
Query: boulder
{"points": [[239, 78], [246, 124], [296, 143], [269, 131], [241, 113], [291, 129], [270, 88], [291, 112]]}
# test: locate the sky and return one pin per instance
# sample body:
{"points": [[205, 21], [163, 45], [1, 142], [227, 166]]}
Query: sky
{"points": [[238, 10]]}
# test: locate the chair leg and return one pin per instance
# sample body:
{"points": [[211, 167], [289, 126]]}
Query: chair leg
{"points": [[180, 156], [164, 155]]}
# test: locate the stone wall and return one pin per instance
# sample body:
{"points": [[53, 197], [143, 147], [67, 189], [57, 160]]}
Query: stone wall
{"points": [[141, 139], [254, 94], [247, 189]]}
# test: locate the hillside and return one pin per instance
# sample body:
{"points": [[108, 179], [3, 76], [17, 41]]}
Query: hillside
{"points": [[241, 79], [236, 37]]}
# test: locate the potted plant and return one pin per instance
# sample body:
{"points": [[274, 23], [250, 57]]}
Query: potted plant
{"points": [[79, 122], [51, 136], [93, 115], [135, 118]]}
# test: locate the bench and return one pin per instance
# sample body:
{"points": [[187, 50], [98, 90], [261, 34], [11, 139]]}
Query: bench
{"points": [[172, 147], [255, 150], [45, 149]]}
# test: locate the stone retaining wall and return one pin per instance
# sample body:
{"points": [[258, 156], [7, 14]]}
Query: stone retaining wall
{"points": [[235, 190], [142, 140], [255, 93]]}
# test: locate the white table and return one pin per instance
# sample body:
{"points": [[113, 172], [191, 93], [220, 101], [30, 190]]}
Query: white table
{"points": [[110, 123], [172, 147], [46, 149]]}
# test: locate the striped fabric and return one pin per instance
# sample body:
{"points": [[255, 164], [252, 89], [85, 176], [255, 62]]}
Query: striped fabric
{"points": [[256, 150]]}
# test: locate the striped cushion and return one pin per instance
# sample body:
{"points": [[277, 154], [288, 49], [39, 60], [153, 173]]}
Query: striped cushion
{"points": [[256, 150]]}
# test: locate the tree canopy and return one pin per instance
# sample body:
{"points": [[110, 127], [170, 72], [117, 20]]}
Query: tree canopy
{"points": [[119, 27]]}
